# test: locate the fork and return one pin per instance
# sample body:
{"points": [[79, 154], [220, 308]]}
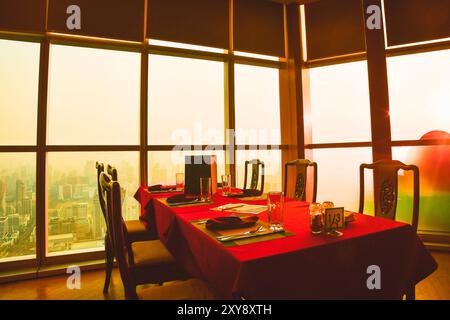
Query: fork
{"points": [[226, 238]]}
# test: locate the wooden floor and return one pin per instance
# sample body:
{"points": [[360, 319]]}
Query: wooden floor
{"points": [[435, 287]]}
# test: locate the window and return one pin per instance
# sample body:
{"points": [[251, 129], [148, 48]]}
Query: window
{"points": [[434, 204], [17, 206], [94, 96], [75, 221], [340, 105], [19, 79], [419, 94], [340, 113], [257, 105], [186, 101], [257, 109], [338, 177], [164, 165]]}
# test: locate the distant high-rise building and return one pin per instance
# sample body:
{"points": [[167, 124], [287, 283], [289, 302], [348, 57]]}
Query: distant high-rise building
{"points": [[98, 222], [67, 227], [20, 195], [80, 191], [2, 198], [13, 222], [69, 213], [80, 211], [27, 206], [82, 229], [3, 226], [10, 209], [52, 214], [67, 192]]}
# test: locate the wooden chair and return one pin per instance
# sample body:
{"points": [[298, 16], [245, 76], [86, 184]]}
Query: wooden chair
{"points": [[160, 266], [386, 193], [135, 229], [301, 166], [386, 188], [256, 163]]}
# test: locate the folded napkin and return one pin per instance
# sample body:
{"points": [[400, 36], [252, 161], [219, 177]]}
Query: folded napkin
{"points": [[159, 187], [246, 193], [181, 198], [233, 222]]}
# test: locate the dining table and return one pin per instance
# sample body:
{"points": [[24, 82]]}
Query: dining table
{"points": [[294, 265]]}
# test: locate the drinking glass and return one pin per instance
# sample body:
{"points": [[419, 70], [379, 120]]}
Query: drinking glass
{"points": [[179, 181], [226, 184], [276, 210], [327, 205], [316, 218], [205, 189]]}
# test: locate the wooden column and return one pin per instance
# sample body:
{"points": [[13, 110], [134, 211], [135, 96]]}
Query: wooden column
{"points": [[143, 154], [291, 94], [230, 117], [41, 155], [378, 86]]}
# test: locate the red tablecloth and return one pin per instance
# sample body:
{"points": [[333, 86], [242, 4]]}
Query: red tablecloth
{"points": [[303, 266]]}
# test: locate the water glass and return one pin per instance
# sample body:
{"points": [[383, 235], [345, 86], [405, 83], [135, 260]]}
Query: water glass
{"points": [[316, 218], [179, 181], [226, 184], [205, 189], [275, 210], [327, 205]]}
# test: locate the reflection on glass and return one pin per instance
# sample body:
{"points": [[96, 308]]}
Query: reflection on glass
{"points": [[419, 94], [19, 79], [434, 168], [94, 96], [75, 221], [164, 165], [340, 106], [338, 177], [186, 101], [17, 206], [257, 98], [184, 46], [272, 162], [255, 55]]}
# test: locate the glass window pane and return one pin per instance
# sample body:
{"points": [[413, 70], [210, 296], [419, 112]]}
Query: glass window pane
{"points": [[340, 105], [75, 221], [434, 168], [94, 96], [164, 165], [272, 163], [17, 206], [338, 177], [19, 81], [257, 107], [186, 101], [419, 94]]}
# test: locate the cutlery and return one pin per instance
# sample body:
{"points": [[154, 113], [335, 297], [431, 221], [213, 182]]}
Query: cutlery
{"points": [[252, 235], [238, 235], [230, 207]]}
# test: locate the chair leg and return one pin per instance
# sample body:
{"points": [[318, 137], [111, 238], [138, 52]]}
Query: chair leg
{"points": [[411, 293], [109, 261]]}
